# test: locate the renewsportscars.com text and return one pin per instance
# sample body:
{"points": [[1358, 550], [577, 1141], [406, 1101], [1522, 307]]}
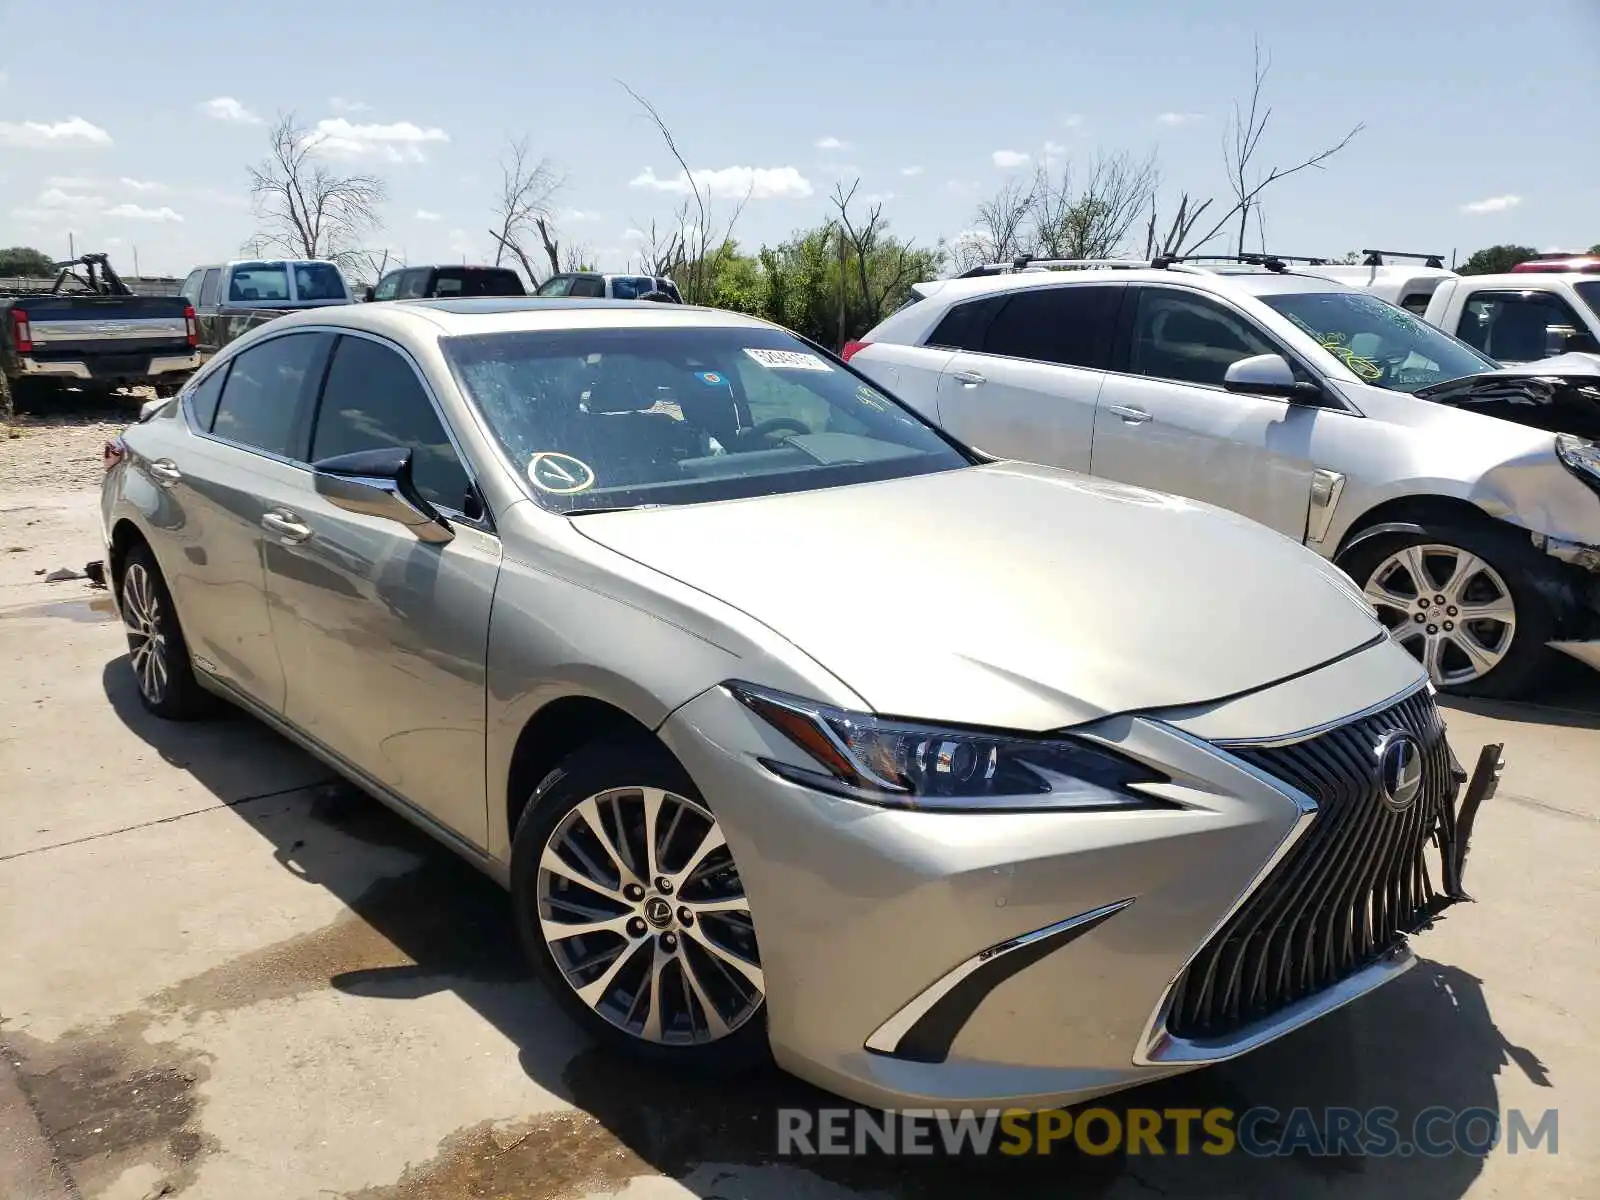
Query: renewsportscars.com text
{"points": [[1259, 1132]]}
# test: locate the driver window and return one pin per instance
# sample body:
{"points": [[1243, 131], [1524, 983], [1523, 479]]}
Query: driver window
{"points": [[1188, 338]]}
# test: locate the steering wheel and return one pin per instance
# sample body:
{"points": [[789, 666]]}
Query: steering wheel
{"points": [[774, 425]]}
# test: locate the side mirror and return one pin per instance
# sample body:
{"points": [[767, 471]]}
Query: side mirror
{"points": [[378, 483], [1578, 341], [369, 293], [1269, 375]]}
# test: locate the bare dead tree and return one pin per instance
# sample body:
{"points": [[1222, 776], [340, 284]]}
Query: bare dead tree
{"points": [[703, 250], [662, 251], [880, 270], [305, 208], [1179, 230], [369, 266], [527, 187], [1091, 220], [1241, 146]]}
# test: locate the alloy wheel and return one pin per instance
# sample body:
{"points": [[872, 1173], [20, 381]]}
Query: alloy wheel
{"points": [[1449, 608], [144, 618], [642, 908]]}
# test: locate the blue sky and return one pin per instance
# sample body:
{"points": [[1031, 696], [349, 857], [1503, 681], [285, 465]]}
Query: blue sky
{"points": [[131, 125]]}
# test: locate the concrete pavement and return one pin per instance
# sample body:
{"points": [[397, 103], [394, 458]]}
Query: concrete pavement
{"points": [[224, 975]]}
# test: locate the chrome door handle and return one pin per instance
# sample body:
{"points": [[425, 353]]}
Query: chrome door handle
{"points": [[1131, 416], [967, 378], [165, 472], [289, 528]]}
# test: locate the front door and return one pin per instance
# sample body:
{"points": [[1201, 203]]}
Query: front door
{"points": [[383, 637], [1164, 420]]}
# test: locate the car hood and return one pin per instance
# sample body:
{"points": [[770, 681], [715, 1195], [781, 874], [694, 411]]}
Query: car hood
{"points": [[1558, 395], [1008, 594]]}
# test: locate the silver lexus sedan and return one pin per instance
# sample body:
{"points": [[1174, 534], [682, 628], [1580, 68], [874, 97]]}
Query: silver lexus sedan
{"points": [[793, 727]]}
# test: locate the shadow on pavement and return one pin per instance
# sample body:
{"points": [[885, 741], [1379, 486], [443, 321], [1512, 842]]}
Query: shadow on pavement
{"points": [[422, 921], [1572, 701]]}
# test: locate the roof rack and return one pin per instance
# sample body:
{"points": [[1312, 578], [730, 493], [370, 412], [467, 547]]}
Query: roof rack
{"points": [[1028, 263], [1375, 258], [1272, 262]]}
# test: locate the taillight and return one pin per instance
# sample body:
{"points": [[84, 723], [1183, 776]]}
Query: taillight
{"points": [[851, 349], [21, 332], [191, 327], [113, 453]]}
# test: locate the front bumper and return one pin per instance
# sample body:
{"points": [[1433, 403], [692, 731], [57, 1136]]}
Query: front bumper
{"points": [[157, 365], [920, 959]]}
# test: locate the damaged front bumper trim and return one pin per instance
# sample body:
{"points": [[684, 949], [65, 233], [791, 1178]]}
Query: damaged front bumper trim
{"points": [[1481, 786]]}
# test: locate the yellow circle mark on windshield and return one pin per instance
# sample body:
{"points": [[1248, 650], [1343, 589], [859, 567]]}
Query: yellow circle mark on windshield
{"points": [[560, 473]]}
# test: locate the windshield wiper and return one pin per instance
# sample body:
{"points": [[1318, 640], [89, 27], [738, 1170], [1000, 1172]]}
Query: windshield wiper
{"points": [[610, 508]]}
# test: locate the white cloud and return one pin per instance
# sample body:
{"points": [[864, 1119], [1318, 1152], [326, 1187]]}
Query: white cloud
{"points": [[341, 105], [423, 214], [1054, 149], [579, 215], [73, 133], [877, 197], [401, 141], [735, 183], [141, 185], [831, 143], [1072, 121], [635, 235], [1494, 204], [73, 183], [58, 200], [134, 212], [1178, 118], [962, 187], [226, 108], [1005, 159], [908, 172]]}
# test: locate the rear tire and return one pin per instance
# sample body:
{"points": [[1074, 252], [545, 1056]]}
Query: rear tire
{"points": [[157, 651], [1468, 600], [674, 977]]}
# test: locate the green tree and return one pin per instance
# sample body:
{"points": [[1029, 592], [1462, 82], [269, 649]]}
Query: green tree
{"points": [[25, 260], [1496, 259]]}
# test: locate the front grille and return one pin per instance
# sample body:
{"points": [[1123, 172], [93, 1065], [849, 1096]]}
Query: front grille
{"points": [[1345, 893]]}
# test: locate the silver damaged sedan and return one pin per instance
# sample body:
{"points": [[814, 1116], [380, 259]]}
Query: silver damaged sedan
{"points": [[793, 727]]}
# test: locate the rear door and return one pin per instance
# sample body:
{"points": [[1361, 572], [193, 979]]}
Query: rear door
{"points": [[1030, 393], [384, 637], [249, 418], [1165, 422]]}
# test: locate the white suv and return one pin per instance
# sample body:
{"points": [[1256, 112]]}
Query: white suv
{"points": [[1340, 420]]}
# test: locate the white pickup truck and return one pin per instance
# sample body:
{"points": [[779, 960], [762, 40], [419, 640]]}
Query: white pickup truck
{"points": [[1536, 311]]}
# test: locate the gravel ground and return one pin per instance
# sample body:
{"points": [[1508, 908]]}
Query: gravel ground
{"points": [[59, 450]]}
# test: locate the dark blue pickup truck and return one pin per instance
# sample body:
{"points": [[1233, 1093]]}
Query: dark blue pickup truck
{"points": [[91, 332]]}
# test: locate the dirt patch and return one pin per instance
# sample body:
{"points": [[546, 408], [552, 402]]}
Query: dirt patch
{"points": [[109, 1100], [60, 451]]}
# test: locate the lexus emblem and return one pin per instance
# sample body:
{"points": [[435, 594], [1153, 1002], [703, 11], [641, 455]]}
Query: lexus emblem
{"points": [[1399, 770], [658, 912]]}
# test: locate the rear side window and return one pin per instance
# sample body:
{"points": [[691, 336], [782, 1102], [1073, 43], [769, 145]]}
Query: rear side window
{"points": [[267, 384], [1069, 326], [318, 281], [374, 401], [965, 325], [625, 287], [592, 286], [203, 400], [208, 289]]}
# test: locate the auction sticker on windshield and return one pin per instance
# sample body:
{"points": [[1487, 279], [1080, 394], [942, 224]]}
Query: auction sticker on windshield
{"points": [[560, 473], [788, 360]]}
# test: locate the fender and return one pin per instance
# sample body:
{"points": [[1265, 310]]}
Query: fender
{"points": [[1374, 531]]}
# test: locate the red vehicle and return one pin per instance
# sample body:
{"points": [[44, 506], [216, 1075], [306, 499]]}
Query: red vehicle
{"points": [[1586, 264]]}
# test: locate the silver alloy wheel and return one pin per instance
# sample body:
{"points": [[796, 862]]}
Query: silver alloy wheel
{"points": [[147, 640], [645, 915], [1446, 606]]}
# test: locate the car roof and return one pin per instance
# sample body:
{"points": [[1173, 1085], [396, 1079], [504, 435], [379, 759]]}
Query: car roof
{"points": [[1253, 282], [506, 314]]}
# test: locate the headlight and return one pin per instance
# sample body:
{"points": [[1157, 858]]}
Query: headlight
{"points": [[906, 765], [1581, 456]]}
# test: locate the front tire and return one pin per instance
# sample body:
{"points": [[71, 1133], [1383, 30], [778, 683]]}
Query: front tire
{"points": [[1468, 601], [631, 909], [157, 651]]}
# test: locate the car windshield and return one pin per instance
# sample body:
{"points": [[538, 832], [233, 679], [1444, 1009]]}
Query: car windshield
{"points": [[318, 281], [1589, 290], [1382, 343], [617, 418], [259, 281]]}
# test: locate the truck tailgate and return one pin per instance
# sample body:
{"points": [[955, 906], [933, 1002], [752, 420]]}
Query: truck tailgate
{"points": [[98, 320]]}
